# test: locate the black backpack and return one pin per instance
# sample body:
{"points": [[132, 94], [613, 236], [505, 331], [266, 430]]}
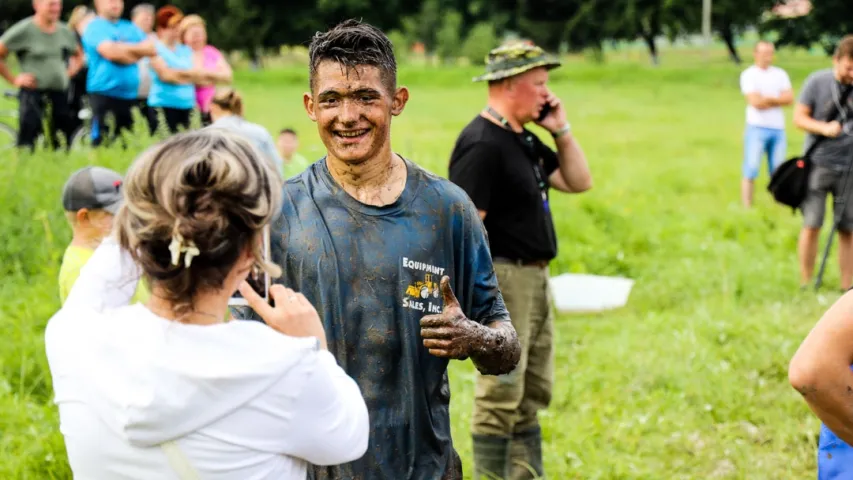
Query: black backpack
{"points": [[789, 183]]}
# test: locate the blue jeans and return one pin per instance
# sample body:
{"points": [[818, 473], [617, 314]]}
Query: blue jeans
{"points": [[757, 142], [835, 457]]}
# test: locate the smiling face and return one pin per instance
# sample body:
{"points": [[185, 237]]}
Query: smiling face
{"points": [[353, 109]]}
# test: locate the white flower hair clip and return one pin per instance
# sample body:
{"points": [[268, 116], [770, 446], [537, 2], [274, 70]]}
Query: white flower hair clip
{"points": [[177, 246]]}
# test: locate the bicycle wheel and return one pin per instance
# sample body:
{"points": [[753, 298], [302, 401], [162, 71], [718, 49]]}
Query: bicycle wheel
{"points": [[8, 137], [81, 138]]}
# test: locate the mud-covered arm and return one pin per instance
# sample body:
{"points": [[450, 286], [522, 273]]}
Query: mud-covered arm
{"points": [[494, 348], [477, 327], [497, 350]]}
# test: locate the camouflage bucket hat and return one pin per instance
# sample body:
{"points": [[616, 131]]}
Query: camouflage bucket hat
{"points": [[515, 58]]}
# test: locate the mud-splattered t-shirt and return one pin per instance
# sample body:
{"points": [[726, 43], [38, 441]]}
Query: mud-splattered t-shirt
{"points": [[372, 273]]}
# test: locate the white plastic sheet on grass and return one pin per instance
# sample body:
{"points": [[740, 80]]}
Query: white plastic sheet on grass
{"points": [[589, 293]]}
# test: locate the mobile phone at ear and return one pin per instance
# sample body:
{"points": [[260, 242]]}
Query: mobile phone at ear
{"points": [[546, 109], [258, 279]]}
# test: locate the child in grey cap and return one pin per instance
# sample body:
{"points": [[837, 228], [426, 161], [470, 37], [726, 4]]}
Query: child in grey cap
{"points": [[91, 197]]}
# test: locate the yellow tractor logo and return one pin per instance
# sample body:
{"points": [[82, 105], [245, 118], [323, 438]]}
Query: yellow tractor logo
{"points": [[423, 289]]}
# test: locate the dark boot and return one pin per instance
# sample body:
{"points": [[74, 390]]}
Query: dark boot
{"points": [[526, 455], [491, 457]]}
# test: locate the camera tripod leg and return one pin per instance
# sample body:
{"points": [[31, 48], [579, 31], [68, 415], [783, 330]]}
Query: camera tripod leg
{"points": [[839, 206], [826, 250]]}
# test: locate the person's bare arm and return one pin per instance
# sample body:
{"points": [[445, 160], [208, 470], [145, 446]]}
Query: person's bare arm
{"points": [[820, 369], [75, 63], [494, 348], [22, 80], [175, 76], [758, 101], [216, 77], [803, 120], [225, 71], [4, 69], [127, 53], [784, 99], [573, 175], [761, 102]]}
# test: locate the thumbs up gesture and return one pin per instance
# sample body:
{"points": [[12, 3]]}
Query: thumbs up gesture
{"points": [[449, 334]]}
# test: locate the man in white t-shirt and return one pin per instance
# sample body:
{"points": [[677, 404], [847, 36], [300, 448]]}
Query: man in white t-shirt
{"points": [[767, 89]]}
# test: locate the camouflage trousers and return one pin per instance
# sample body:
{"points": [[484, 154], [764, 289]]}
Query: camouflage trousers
{"points": [[508, 404]]}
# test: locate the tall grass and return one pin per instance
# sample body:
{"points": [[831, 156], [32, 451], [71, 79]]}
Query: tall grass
{"points": [[688, 381]]}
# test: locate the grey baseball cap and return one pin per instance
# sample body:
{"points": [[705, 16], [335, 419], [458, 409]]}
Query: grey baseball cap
{"points": [[93, 188]]}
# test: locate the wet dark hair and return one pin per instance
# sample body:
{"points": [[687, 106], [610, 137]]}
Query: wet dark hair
{"points": [[353, 43]]}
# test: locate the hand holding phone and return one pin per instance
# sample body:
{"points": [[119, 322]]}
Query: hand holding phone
{"points": [[290, 312], [546, 109], [258, 279]]}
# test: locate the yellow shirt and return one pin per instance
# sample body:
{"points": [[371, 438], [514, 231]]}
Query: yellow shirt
{"points": [[297, 165], [73, 260]]}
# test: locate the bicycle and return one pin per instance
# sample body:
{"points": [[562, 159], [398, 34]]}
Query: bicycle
{"points": [[82, 134], [9, 133]]}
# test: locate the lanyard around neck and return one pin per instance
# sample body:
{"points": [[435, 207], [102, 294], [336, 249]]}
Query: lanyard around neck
{"points": [[543, 187]]}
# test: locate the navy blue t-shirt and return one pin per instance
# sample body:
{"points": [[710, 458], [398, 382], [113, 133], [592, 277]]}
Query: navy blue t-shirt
{"points": [[372, 273]]}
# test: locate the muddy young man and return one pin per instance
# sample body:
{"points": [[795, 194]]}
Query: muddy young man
{"points": [[394, 258]]}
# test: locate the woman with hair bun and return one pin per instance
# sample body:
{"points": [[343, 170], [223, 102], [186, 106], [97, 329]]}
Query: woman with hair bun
{"points": [[169, 389]]}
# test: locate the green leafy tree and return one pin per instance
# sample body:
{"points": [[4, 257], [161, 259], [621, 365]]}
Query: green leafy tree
{"points": [[480, 40], [448, 41], [828, 21]]}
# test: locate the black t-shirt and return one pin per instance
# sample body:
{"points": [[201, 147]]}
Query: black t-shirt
{"points": [[497, 168]]}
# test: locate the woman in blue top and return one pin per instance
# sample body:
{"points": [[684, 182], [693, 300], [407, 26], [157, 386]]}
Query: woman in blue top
{"points": [[173, 76]]}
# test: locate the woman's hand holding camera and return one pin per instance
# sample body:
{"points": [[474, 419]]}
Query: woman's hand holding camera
{"points": [[292, 314]]}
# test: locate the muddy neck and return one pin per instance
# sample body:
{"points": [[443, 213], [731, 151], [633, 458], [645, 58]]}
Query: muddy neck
{"points": [[372, 173]]}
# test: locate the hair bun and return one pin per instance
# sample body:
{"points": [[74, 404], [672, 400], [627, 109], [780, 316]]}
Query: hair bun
{"points": [[207, 194]]}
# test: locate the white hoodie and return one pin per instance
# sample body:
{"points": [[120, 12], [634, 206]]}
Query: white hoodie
{"points": [[240, 400]]}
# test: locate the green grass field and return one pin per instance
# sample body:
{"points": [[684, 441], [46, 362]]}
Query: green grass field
{"points": [[688, 381]]}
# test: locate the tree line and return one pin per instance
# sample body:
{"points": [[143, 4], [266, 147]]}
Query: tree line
{"points": [[450, 28]]}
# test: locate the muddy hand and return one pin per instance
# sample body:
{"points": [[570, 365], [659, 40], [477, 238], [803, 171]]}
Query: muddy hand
{"points": [[449, 334]]}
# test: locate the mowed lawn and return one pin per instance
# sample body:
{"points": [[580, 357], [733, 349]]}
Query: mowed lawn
{"points": [[688, 381]]}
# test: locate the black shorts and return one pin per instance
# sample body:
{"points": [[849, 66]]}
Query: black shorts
{"points": [[175, 118], [822, 181]]}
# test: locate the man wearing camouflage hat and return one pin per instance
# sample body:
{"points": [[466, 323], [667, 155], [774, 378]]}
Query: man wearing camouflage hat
{"points": [[508, 173]]}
